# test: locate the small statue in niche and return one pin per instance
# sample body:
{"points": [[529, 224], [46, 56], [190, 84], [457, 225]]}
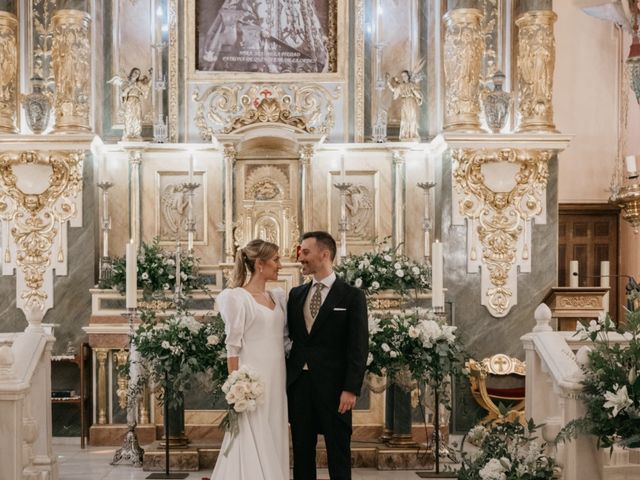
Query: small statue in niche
{"points": [[134, 88], [408, 90]]}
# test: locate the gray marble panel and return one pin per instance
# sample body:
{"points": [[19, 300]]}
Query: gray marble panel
{"points": [[483, 334]]}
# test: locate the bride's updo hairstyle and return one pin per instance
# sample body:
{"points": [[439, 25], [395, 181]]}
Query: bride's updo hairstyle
{"points": [[246, 259]]}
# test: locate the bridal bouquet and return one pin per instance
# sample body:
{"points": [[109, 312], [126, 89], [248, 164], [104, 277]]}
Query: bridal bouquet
{"points": [[243, 390]]}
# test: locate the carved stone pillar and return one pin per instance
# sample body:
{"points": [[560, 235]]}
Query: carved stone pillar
{"points": [[120, 358], [229, 162], [463, 50], [398, 198], [536, 63], [306, 155], [9, 57], [71, 61], [101, 357], [135, 218]]}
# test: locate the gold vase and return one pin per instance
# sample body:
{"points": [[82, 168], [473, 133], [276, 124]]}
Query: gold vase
{"points": [[9, 58], [71, 61]]}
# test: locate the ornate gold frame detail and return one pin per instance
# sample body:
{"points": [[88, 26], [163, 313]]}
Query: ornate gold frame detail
{"points": [[36, 221], [307, 108], [499, 220]]}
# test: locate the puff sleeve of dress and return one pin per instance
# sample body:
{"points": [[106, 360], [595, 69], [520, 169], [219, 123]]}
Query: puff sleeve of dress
{"points": [[233, 308], [280, 298]]}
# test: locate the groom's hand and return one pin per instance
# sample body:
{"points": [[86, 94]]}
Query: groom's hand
{"points": [[347, 402]]}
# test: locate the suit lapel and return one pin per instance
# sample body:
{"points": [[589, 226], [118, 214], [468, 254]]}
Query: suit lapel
{"points": [[304, 291], [334, 296]]}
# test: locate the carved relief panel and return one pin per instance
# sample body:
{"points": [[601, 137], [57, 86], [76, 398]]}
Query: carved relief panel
{"points": [[267, 203], [362, 205]]}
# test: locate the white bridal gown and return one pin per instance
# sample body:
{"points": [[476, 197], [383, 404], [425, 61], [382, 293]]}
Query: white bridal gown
{"points": [[258, 336]]}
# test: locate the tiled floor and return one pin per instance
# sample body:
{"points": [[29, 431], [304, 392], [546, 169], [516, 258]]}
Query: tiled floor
{"points": [[92, 463]]}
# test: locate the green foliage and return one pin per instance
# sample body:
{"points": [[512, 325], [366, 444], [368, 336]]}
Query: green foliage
{"points": [[384, 269], [180, 346], [417, 341], [157, 271], [611, 390], [507, 451]]}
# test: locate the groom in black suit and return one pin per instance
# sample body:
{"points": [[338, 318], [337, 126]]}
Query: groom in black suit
{"points": [[328, 325]]}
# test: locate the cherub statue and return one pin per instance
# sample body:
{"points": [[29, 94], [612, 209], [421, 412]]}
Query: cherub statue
{"points": [[408, 90], [133, 89]]}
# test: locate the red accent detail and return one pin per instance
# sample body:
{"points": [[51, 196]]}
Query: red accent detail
{"points": [[515, 393], [266, 93]]}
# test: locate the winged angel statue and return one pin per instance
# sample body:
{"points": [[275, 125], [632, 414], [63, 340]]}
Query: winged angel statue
{"points": [[133, 89], [408, 90]]}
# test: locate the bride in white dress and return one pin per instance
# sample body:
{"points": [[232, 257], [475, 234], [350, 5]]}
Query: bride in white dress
{"points": [[255, 325]]}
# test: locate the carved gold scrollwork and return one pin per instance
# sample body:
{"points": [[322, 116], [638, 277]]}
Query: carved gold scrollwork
{"points": [[463, 47], [225, 109], [499, 216], [9, 55], [536, 62], [71, 61], [34, 217]]}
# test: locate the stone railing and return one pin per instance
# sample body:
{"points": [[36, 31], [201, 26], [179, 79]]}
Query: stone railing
{"points": [[25, 406], [553, 388]]}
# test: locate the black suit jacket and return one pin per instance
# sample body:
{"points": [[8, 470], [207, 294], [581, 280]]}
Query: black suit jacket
{"points": [[336, 349]]}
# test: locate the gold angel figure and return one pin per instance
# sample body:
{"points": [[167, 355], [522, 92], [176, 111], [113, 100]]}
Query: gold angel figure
{"points": [[408, 90], [134, 88]]}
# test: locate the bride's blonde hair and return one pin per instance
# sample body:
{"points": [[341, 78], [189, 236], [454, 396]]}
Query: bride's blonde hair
{"points": [[246, 259]]}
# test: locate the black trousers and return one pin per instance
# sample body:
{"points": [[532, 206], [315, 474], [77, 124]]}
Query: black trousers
{"points": [[310, 416]]}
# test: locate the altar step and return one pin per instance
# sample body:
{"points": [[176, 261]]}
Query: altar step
{"points": [[363, 455]]}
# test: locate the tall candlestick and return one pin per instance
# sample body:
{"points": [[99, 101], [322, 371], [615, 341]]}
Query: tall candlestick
{"points": [[604, 274], [191, 168], [573, 274], [132, 275], [437, 271]]}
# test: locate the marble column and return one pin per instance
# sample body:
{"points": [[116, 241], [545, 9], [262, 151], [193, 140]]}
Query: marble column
{"points": [[9, 58], [399, 204], [135, 209], [71, 62], [535, 67], [229, 163], [306, 155], [462, 57], [101, 393]]}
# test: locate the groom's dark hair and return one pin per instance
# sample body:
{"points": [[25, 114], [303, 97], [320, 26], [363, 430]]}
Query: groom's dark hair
{"points": [[325, 240]]}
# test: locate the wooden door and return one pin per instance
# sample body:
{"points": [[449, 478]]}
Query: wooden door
{"points": [[589, 234]]}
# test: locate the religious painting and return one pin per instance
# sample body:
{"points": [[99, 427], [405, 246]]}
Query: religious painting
{"points": [[266, 36], [172, 206]]}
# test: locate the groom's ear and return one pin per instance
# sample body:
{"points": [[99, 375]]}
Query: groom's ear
{"points": [[298, 248]]}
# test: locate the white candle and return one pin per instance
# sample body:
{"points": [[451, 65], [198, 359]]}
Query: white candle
{"points": [[604, 274], [573, 273], [632, 168], [437, 270], [191, 168], [342, 172], [132, 275]]}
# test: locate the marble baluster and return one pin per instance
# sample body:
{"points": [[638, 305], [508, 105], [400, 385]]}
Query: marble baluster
{"points": [[101, 356]]}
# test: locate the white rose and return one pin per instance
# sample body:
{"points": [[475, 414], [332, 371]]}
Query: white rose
{"points": [[397, 266], [387, 258], [361, 266], [393, 354], [230, 398], [183, 276], [385, 347], [375, 285], [241, 405], [415, 270], [166, 345], [257, 389], [400, 273], [213, 340], [145, 276], [414, 332], [165, 286], [171, 262]]}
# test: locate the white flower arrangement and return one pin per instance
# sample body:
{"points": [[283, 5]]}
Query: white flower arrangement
{"points": [[243, 391]]}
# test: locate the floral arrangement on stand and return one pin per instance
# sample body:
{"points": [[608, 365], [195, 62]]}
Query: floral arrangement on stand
{"points": [[384, 269], [177, 347], [506, 451], [415, 345], [157, 271], [611, 390]]}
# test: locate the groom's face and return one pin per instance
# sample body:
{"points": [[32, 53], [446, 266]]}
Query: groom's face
{"points": [[311, 256]]}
